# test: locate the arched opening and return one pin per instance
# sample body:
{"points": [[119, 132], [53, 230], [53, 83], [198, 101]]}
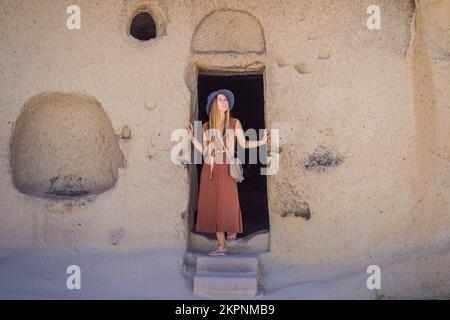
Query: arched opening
{"points": [[232, 33], [143, 27], [229, 31]]}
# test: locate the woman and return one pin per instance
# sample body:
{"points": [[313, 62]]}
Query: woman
{"points": [[218, 204]]}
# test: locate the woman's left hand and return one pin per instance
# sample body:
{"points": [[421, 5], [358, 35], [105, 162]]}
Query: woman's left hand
{"points": [[266, 136]]}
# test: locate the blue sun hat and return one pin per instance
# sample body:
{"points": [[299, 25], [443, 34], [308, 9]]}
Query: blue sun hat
{"points": [[212, 95]]}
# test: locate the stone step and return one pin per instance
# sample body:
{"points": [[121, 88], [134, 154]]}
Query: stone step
{"points": [[256, 242], [226, 284], [227, 263]]}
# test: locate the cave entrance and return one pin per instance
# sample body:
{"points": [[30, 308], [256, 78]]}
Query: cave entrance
{"points": [[248, 89]]}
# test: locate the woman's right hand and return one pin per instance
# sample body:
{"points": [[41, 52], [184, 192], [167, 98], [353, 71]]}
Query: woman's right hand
{"points": [[191, 131]]}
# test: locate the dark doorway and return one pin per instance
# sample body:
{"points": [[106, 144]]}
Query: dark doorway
{"points": [[248, 91]]}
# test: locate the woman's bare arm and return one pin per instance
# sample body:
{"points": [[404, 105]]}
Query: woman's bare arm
{"points": [[204, 144], [248, 144], [199, 146]]}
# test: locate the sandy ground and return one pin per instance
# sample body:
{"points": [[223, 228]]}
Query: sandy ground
{"points": [[41, 274]]}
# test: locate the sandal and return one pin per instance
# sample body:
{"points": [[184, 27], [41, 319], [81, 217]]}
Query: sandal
{"points": [[219, 251], [231, 236]]}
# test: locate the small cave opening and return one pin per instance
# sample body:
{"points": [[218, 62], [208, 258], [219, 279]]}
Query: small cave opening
{"points": [[143, 27]]}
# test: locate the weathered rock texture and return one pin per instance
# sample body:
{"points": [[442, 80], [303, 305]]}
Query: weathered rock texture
{"points": [[228, 31], [377, 100], [64, 144]]}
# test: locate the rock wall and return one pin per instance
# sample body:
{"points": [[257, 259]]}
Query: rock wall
{"points": [[363, 119]]}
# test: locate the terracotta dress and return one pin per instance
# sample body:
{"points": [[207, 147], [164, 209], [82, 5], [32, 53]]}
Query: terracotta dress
{"points": [[218, 202]]}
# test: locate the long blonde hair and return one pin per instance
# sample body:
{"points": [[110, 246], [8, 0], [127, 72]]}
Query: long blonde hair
{"points": [[214, 124]]}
